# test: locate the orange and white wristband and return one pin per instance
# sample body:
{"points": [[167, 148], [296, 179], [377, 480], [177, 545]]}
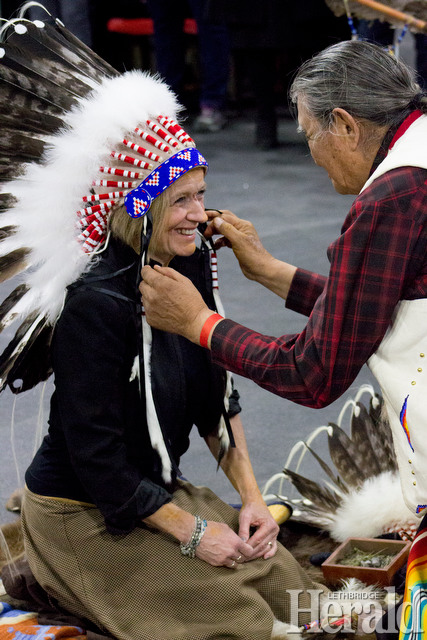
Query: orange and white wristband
{"points": [[207, 329]]}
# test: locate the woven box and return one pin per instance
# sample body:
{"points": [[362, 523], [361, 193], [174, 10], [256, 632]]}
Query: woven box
{"points": [[334, 572]]}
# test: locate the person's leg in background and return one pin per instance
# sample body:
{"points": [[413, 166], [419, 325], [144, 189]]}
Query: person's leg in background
{"points": [[76, 16], [421, 58], [263, 74], [214, 55], [376, 31], [168, 18]]}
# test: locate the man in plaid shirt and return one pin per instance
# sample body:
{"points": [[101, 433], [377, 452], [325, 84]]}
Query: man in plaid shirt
{"points": [[379, 260], [365, 120], [364, 117]]}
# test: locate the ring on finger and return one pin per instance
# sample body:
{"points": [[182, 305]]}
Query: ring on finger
{"points": [[238, 559], [270, 544], [233, 563]]}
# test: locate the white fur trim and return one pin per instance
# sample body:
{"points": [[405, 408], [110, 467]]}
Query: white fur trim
{"points": [[354, 585], [285, 631], [154, 428], [380, 500]]}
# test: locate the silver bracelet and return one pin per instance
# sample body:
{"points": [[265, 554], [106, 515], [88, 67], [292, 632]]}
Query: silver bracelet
{"points": [[189, 549]]}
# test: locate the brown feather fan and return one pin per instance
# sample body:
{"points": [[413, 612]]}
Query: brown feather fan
{"points": [[360, 495], [381, 431], [347, 457]]}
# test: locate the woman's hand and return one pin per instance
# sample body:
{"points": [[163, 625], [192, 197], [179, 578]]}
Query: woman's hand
{"points": [[221, 547], [255, 515]]}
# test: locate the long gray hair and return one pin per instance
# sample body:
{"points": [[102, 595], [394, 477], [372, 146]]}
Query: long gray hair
{"points": [[360, 77]]}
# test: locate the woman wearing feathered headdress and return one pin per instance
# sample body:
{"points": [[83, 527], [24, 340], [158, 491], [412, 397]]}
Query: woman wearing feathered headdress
{"points": [[112, 532]]}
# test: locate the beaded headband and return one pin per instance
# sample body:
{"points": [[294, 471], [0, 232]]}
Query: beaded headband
{"points": [[138, 201]]}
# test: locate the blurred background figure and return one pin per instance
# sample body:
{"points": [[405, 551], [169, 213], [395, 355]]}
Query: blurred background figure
{"points": [[213, 45], [382, 33], [269, 40]]}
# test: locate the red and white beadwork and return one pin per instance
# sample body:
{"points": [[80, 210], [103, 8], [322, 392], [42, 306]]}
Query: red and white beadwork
{"points": [[214, 270]]}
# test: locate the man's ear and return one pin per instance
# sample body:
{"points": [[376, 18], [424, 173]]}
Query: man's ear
{"points": [[347, 127]]}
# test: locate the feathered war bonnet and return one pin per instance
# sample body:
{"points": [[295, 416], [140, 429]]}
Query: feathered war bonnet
{"points": [[78, 139]]}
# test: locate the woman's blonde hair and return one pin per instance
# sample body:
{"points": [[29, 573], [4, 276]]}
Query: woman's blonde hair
{"points": [[128, 229]]}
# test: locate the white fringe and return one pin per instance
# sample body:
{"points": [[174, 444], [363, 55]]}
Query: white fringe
{"points": [[154, 428]]}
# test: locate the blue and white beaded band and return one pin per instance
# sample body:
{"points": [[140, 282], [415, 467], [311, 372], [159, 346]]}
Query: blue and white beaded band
{"points": [[138, 201]]}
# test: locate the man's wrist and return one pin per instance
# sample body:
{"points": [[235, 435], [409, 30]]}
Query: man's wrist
{"points": [[277, 277], [207, 322]]}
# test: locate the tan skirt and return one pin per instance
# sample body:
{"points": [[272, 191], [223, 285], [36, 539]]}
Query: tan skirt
{"points": [[140, 587]]}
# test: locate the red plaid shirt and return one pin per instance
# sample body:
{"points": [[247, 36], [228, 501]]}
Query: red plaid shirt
{"points": [[380, 258]]}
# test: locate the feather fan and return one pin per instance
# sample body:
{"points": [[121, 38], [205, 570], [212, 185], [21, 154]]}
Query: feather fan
{"points": [[364, 437], [385, 451], [361, 494], [347, 457], [322, 497], [337, 481]]}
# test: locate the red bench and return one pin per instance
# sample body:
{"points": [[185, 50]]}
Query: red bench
{"points": [[143, 26]]}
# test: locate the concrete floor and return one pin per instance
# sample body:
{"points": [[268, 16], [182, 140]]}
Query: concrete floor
{"points": [[297, 214]]}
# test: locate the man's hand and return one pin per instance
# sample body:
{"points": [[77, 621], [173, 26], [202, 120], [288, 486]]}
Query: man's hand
{"points": [[242, 237], [172, 303], [255, 261]]}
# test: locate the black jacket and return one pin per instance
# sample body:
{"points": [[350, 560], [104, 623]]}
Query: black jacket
{"points": [[98, 449]]}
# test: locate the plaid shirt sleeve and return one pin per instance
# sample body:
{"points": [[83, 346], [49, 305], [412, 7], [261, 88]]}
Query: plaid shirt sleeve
{"points": [[380, 258], [305, 290]]}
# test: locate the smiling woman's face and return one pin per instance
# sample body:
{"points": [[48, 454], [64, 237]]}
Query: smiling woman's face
{"points": [[175, 234]]}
